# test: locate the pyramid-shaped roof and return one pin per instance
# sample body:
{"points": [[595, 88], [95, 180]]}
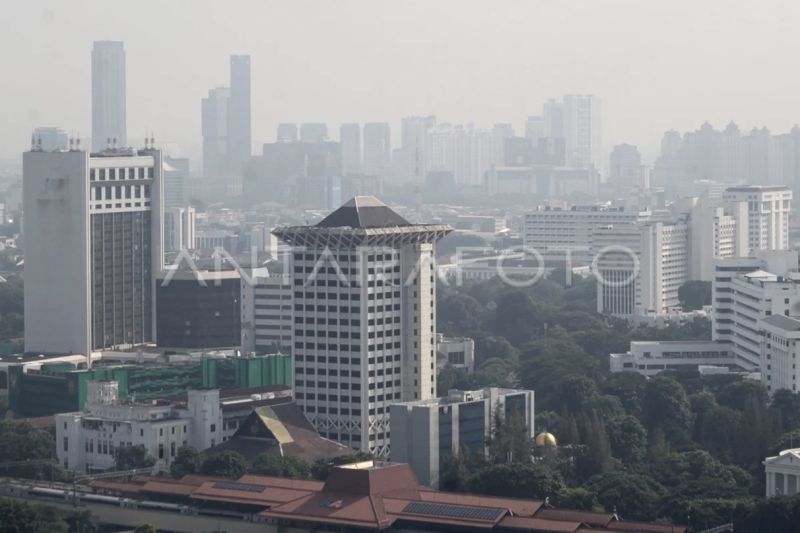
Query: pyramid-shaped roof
{"points": [[363, 212]]}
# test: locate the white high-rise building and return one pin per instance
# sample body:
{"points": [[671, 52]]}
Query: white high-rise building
{"points": [[625, 166], [501, 133], [747, 290], [582, 133], [179, 229], [714, 234], [350, 147], [780, 347], [414, 157], [176, 181], [364, 286], [767, 220], [109, 128], [93, 245], [239, 130], [640, 267], [535, 129]]}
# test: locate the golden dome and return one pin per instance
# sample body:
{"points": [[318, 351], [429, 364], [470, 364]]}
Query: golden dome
{"points": [[546, 440]]}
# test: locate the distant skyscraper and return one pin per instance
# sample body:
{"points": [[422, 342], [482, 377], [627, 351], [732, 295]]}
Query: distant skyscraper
{"points": [[553, 118], [625, 166], [350, 145], [377, 148], [239, 134], [179, 229], [97, 219], [501, 133], [49, 139], [373, 343], [313, 132], [534, 129], [287, 132], [108, 95], [582, 130], [415, 135], [176, 176], [215, 132]]}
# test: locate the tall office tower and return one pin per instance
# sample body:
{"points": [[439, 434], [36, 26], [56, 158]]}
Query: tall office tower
{"points": [[108, 95], [286, 132], [640, 267], [215, 110], [49, 139], [553, 118], [582, 130], [315, 132], [176, 178], [377, 148], [501, 133], [625, 166], [365, 319], [414, 148], [350, 145], [535, 129], [714, 235], [239, 136], [97, 220], [766, 221], [179, 229]]}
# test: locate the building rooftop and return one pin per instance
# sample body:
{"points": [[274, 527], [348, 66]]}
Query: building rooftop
{"points": [[783, 322], [375, 496], [363, 212]]}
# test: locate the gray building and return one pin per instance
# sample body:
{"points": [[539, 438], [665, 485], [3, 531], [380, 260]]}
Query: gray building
{"points": [[425, 433], [50, 138], [108, 95], [377, 148], [350, 145], [215, 132], [239, 131], [94, 242]]}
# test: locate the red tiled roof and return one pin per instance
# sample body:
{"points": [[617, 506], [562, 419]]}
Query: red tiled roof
{"points": [[539, 524], [645, 527], [587, 517]]}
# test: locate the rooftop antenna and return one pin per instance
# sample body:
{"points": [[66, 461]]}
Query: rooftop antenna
{"points": [[145, 141], [71, 144], [78, 142], [114, 143], [108, 143], [33, 142], [152, 141], [39, 144]]}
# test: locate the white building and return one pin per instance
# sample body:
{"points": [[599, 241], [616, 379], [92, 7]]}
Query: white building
{"points": [[364, 319], [87, 440], [779, 350], [582, 130], [176, 182], [648, 358], [425, 433], [745, 291], [179, 229], [267, 320], [456, 352], [109, 128], [767, 216], [640, 267], [783, 473], [714, 233], [95, 219], [49, 139], [562, 234], [215, 109]]}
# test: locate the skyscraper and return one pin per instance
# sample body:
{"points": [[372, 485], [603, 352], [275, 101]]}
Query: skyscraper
{"points": [[377, 148], [582, 130], [625, 164], [239, 134], [108, 95], [350, 145], [94, 239], [365, 318], [415, 137], [313, 132], [215, 132]]}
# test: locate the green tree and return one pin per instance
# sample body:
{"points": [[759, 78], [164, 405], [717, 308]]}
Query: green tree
{"points": [[131, 457], [20, 441], [322, 467], [576, 498], [694, 295], [274, 465], [510, 440], [633, 496], [666, 404], [785, 410], [628, 439], [187, 461], [226, 464], [519, 480], [629, 387], [17, 517]]}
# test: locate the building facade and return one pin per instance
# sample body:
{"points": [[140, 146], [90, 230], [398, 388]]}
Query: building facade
{"points": [[350, 145], [239, 130], [97, 218], [767, 216], [377, 148], [363, 283], [649, 358], [426, 433]]}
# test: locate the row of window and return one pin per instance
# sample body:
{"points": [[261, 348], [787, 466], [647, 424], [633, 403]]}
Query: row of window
{"points": [[103, 174]]}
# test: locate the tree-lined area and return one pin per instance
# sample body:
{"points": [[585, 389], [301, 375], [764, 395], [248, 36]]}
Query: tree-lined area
{"points": [[679, 446]]}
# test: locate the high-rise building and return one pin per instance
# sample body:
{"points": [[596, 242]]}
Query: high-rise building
{"points": [[501, 133], [176, 178], [625, 166], [286, 132], [714, 234], [108, 95], [767, 215], [215, 109], [179, 229], [350, 145], [553, 118], [427, 433], [239, 132], [535, 129], [49, 139], [96, 218], [582, 130], [377, 148], [315, 132], [413, 160], [364, 285]]}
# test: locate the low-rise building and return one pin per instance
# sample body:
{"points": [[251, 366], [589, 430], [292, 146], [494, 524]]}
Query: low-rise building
{"points": [[779, 350], [425, 433], [651, 357], [783, 473]]}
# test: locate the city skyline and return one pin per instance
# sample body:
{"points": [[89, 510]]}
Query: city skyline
{"points": [[315, 83]]}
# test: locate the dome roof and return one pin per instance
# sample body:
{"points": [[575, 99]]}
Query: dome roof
{"points": [[546, 440]]}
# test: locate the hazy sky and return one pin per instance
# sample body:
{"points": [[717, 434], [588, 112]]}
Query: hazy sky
{"points": [[656, 64]]}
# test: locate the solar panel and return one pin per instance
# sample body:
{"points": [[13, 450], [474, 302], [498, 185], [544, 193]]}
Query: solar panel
{"points": [[232, 485], [454, 511]]}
